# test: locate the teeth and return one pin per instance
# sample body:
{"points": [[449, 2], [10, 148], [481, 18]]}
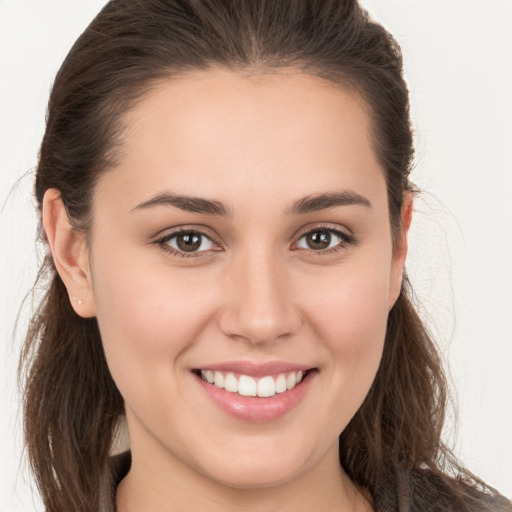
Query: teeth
{"points": [[219, 380], [266, 387], [291, 380], [281, 383], [249, 386], [231, 383]]}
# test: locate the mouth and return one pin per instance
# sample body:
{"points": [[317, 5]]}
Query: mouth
{"points": [[256, 392], [264, 386]]}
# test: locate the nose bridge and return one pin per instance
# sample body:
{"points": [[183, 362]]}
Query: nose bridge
{"points": [[259, 305]]}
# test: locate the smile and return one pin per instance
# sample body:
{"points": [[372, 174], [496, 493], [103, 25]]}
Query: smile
{"points": [[256, 392], [246, 385]]}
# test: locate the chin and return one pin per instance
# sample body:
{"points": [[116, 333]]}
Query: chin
{"points": [[258, 472], [260, 477]]}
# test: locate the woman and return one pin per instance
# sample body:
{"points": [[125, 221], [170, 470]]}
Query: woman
{"points": [[224, 192]]}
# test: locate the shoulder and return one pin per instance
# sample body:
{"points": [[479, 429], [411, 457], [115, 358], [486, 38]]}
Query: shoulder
{"points": [[425, 490], [118, 467], [430, 491]]}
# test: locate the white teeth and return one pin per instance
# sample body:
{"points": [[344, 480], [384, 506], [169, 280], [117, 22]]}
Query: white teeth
{"points": [[219, 379], [291, 380], [281, 383], [266, 387], [231, 383], [249, 386]]}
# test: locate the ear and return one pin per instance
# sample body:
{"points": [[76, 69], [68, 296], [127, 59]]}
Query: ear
{"points": [[400, 250], [69, 252]]}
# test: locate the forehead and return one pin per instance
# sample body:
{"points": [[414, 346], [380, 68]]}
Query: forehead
{"points": [[223, 132]]}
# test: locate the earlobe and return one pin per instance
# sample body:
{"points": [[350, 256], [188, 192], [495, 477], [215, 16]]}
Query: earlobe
{"points": [[400, 250], [69, 252]]}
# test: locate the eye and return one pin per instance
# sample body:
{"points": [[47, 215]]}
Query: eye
{"points": [[187, 243], [322, 239]]}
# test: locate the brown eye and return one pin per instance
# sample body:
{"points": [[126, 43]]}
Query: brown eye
{"points": [[321, 239], [188, 242], [318, 240]]}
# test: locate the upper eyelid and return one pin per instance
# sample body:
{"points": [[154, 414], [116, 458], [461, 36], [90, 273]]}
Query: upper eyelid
{"points": [[204, 230], [168, 233], [326, 226], [199, 228]]}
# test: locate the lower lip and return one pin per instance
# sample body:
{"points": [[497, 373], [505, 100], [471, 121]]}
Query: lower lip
{"points": [[257, 409]]}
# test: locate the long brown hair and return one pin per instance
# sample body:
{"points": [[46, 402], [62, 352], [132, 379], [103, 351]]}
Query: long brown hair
{"points": [[392, 447]]}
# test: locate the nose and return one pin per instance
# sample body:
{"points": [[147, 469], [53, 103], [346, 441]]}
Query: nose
{"points": [[260, 303]]}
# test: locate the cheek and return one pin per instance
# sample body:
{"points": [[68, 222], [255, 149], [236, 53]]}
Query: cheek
{"points": [[349, 317], [350, 309], [147, 314]]}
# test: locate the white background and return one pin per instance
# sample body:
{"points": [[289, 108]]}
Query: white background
{"points": [[458, 58]]}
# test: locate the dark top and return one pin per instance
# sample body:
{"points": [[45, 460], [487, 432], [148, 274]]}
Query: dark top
{"points": [[400, 496], [118, 469]]}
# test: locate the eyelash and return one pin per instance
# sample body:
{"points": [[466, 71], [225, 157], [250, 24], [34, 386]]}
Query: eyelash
{"points": [[346, 239]]}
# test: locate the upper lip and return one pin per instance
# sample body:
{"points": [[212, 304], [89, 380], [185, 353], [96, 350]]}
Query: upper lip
{"points": [[254, 369]]}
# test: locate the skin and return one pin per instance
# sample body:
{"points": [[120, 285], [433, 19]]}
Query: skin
{"points": [[257, 293]]}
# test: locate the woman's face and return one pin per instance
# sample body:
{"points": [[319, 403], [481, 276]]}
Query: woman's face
{"points": [[243, 237]]}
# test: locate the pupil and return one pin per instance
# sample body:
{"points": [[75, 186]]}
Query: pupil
{"points": [[189, 242], [319, 239]]}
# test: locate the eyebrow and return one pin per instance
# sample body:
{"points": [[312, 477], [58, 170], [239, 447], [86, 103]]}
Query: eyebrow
{"points": [[308, 204], [187, 204], [317, 202]]}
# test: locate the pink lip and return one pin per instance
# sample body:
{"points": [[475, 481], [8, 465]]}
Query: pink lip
{"points": [[256, 409]]}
